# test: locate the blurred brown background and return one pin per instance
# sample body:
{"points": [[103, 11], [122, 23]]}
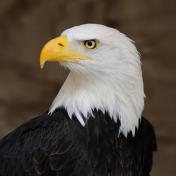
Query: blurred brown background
{"points": [[26, 91]]}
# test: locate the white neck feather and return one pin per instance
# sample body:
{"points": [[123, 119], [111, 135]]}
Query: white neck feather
{"points": [[121, 95]]}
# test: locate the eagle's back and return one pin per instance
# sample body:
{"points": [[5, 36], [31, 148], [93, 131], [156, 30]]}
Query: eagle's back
{"points": [[58, 146]]}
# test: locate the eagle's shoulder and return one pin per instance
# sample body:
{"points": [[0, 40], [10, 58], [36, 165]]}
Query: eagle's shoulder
{"points": [[144, 144], [43, 146], [34, 126], [146, 133]]}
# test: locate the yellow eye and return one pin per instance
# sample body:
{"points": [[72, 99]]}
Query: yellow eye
{"points": [[90, 44]]}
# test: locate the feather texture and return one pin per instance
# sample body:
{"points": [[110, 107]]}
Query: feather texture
{"points": [[59, 146]]}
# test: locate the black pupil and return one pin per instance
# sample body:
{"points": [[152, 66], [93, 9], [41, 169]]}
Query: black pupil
{"points": [[90, 43]]}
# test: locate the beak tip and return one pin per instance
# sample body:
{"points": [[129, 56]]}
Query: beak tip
{"points": [[41, 66], [42, 63]]}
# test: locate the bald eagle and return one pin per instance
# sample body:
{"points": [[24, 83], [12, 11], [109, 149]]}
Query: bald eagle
{"points": [[94, 126]]}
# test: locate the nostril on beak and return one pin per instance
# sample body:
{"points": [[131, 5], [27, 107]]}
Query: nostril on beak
{"points": [[60, 44]]}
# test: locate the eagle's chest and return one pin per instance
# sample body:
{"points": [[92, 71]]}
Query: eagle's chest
{"points": [[99, 137], [103, 149]]}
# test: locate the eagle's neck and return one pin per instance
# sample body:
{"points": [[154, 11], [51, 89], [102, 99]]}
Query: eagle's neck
{"points": [[123, 100]]}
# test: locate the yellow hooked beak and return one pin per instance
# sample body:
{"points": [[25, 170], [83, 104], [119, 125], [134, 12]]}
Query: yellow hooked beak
{"points": [[58, 50]]}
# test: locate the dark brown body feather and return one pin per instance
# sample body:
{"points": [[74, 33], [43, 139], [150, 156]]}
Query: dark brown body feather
{"points": [[58, 146]]}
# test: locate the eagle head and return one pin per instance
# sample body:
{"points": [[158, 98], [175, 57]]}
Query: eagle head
{"points": [[105, 74]]}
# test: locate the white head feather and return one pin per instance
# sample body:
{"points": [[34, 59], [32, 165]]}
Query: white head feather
{"points": [[111, 81]]}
